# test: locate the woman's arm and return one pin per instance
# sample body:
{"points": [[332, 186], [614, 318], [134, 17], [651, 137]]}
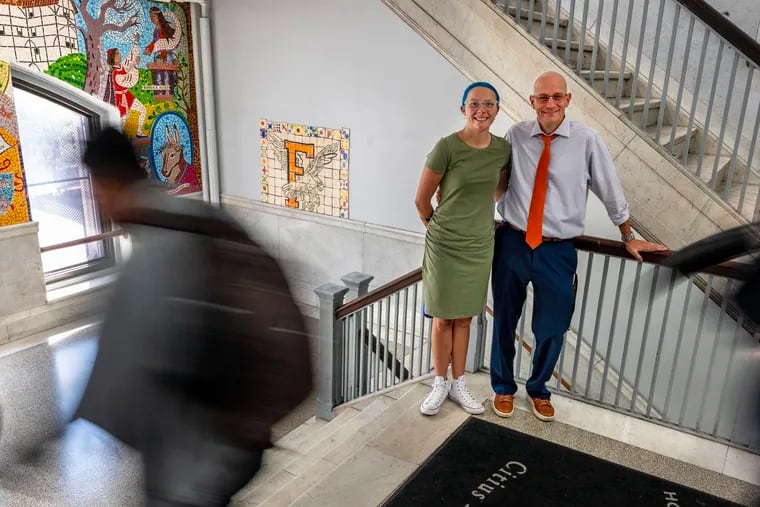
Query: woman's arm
{"points": [[501, 187], [429, 181]]}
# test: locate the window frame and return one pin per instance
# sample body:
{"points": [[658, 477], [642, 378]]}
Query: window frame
{"points": [[99, 115]]}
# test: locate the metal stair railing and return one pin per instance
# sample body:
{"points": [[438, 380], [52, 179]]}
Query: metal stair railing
{"points": [[644, 340], [678, 70]]}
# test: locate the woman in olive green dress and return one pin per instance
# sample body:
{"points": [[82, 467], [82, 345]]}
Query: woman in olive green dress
{"points": [[467, 166]]}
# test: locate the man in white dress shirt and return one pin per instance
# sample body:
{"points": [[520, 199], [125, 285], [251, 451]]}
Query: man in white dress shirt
{"points": [[555, 161]]}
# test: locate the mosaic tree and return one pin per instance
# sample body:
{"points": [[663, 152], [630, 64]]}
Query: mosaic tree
{"points": [[70, 68], [116, 16]]}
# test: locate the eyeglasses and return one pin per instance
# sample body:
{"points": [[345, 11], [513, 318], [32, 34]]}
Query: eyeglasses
{"points": [[477, 105], [557, 98]]}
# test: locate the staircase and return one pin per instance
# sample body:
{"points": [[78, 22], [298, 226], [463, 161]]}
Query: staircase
{"points": [[660, 119], [674, 198]]}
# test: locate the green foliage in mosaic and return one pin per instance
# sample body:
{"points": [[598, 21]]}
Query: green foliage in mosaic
{"points": [[146, 79], [182, 89], [70, 68]]}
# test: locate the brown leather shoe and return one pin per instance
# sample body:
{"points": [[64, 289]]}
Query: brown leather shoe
{"points": [[504, 405], [543, 409]]}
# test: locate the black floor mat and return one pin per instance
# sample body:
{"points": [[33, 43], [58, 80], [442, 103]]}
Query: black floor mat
{"points": [[486, 464]]}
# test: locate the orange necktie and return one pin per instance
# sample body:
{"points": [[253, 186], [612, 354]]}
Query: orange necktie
{"points": [[534, 230]]}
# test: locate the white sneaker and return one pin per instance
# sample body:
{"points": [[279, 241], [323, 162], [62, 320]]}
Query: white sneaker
{"points": [[462, 395], [431, 405]]}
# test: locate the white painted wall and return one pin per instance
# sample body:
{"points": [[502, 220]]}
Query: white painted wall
{"points": [[336, 63]]}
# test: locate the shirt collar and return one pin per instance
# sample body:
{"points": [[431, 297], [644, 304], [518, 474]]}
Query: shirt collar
{"points": [[563, 129]]}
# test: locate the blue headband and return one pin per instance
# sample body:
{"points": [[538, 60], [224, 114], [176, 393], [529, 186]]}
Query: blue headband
{"points": [[477, 85]]}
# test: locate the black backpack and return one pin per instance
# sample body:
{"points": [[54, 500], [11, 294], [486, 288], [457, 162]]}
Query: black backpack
{"points": [[256, 361]]}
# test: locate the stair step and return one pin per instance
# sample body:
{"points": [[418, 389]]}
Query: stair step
{"points": [[281, 481], [599, 75], [753, 179], [638, 109], [397, 449], [664, 138], [299, 441], [750, 199], [281, 468], [339, 441], [574, 45], [524, 15], [550, 20], [612, 83], [708, 161], [638, 103], [572, 58]]}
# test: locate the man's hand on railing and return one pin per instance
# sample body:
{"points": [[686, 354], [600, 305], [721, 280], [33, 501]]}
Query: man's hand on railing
{"points": [[635, 246]]}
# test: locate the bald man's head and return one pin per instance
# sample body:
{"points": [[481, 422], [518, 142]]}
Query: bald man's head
{"points": [[552, 77], [549, 100]]}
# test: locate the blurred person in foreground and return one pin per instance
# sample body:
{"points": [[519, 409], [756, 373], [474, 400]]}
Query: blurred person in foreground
{"points": [[202, 348], [721, 247]]}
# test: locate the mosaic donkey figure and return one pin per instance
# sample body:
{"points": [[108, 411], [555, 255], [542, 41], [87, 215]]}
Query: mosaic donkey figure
{"points": [[174, 163], [175, 169]]}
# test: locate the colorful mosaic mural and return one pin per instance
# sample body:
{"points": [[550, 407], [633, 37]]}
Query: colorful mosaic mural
{"points": [[14, 202], [134, 54], [305, 167]]}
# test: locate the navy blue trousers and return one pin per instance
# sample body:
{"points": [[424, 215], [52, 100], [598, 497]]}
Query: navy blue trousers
{"points": [[550, 268]]}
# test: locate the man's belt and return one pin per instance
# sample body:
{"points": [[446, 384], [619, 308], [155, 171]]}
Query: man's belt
{"points": [[543, 238]]}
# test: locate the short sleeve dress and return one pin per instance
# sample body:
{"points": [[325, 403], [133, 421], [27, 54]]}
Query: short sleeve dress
{"points": [[459, 241]]}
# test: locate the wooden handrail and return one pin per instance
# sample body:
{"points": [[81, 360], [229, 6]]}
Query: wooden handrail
{"points": [[735, 270], [85, 240], [379, 293], [725, 28]]}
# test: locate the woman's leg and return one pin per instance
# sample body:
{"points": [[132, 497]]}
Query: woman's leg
{"points": [[459, 391], [460, 341], [441, 343]]}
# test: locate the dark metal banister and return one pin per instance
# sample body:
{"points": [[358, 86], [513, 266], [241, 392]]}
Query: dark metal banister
{"points": [[725, 28], [734, 270]]}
